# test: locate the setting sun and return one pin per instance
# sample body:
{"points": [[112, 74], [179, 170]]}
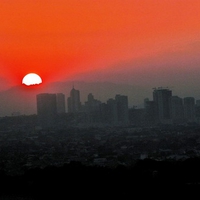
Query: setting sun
{"points": [[31, 79]]}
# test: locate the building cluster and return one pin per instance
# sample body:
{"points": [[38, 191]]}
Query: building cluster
{"points": [[51, 106], [168, 109], [163, 109]]}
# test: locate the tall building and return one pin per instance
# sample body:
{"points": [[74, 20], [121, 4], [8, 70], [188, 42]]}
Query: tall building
{"points": [[46, 109], [189, 109], [112, 113], [117, 110], [161, 97], [74, 103], [60, 103], [176, 109], [92, 104], [122, 108], [92, 108], [149, 112], [104, 115]]}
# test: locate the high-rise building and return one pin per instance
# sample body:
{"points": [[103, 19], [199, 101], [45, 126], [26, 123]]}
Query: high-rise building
{"points": [[161, 97], [112, 113], [189, 109], [92, 104], [176, 109], [92, 108], [60, 103], [46, 109], [149, 112], [104, 114], [122, 108], [74, 104], [117, 110]]}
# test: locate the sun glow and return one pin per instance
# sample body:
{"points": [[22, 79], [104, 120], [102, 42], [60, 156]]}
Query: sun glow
{"points": [[31, 79]]}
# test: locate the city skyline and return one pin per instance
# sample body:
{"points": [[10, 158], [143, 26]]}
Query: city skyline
{"points": [[165, 108], [22, 101]]}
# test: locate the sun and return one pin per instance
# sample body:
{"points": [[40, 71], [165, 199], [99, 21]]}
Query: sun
{"points": [[31, 79]]}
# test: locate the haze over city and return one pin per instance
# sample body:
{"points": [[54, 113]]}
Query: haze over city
{"points": [[21, 99]]}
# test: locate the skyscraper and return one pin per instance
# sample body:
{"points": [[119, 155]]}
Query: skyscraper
{"points": [[122, 108], [189, 109], [74, 104], [92, 104], [176, 109], [46, 109], [92, 108], [149, 112], [112, 111], [117, 110], [161, 97]]}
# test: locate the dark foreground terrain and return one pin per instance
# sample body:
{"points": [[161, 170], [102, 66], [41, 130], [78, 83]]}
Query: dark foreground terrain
{"points": [[147, 178]]}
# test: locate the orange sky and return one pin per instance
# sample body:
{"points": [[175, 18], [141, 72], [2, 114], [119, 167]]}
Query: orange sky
{"points": [[119, 40]]}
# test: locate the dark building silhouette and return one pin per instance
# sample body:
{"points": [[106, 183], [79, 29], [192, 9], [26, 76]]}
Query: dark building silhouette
{"points": [[189, 109], [163, 109], [74, 104], [117, 110], [92, 105], [176, 110], [149, 112], [104, 115], [60, 103], [137, 117], [161, 97], [46, 109], [92, 108], [112, 113], [122, 109]]}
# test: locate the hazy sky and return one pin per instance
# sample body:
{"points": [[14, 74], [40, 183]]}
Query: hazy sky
{"points": [[142, 42]]}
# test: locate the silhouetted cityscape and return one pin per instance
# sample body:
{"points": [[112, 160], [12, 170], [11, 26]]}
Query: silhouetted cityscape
{"points": [[163, 109], [154, 146]]}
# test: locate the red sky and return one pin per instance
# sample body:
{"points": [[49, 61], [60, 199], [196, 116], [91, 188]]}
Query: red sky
{"points": [[148, 42]]}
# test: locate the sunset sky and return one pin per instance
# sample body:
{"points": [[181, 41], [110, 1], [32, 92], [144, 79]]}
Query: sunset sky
{"points": [[141, 42]]}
